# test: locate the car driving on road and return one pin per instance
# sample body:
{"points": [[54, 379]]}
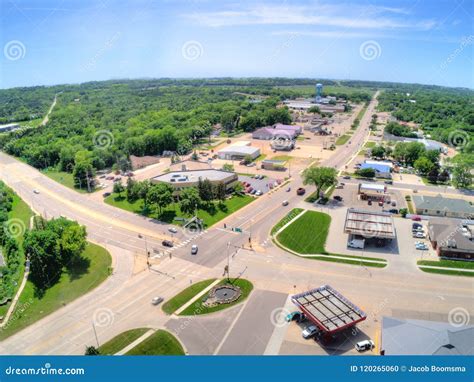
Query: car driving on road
{"points": [[194, 249]]}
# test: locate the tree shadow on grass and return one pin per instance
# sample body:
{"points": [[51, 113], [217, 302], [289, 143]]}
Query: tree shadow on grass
{"points": [[78, 268]]}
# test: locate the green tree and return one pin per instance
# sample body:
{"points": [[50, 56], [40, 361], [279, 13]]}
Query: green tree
{"points": [[205, 190], [423, 165], [131, 190], [220, 191], [161, 195], [91, 350], [314, 110], [321, 177], [378, 151], [248, 159], [72, 243], [366, 172], [228, 167], [189, 200], [118, 188], [461, 175]]}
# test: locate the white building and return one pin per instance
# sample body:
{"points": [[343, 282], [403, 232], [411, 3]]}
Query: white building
{"points": [[238, 151]]}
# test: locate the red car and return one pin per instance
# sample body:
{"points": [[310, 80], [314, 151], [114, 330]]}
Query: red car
{"points": [[416, 218], [300, 191]]}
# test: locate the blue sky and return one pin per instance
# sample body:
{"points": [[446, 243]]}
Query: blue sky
{"points": [[70, 41]]}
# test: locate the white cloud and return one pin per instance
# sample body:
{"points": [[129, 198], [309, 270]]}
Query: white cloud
{"points": [[320, 14]]}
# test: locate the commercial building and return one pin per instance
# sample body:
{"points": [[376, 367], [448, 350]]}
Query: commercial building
{"points": [[421, 337], [440, 206], [305, 104], [184, 179], [373, 191], [239, 151], [272, 164], [369, 226], [452, 238], [382, 170], [296, 128], [269, 133]]}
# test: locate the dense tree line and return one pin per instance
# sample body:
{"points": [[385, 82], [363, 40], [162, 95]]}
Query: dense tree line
{"points": [[9, 246]]}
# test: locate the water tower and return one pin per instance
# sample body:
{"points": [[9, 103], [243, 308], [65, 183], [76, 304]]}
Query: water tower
{"points": [[319, 92]]}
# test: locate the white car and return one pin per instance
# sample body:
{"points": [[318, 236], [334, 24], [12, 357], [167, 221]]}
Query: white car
{"points": [[285, 203], [309, 331], [156, 300], [419, 235], [36, 191], [173, 230], [258, 193], [364, 345], [194, 249]]}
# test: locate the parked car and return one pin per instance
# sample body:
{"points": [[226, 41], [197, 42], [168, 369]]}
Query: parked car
{"points": [[105, 194], [421, 246], [300, 191], [346, 177], [381, 204], [364, 345], [339, 186], [295, 316], [173, 230], [388, 182], [369, 202], [156, 300], [36, 192], [194, 249], [285, 203], [258, 193], [338, 198], [419, 235], [167, 243], [416, 226], [288, 189], [394, 204], [253, 192], [309, 331], [416, 218], [393, 211]]}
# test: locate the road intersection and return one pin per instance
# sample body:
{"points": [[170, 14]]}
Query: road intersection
{"points": [[123, 300]]}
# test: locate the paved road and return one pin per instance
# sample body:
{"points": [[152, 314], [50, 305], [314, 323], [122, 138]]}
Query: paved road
{"points": [[123, 301]]}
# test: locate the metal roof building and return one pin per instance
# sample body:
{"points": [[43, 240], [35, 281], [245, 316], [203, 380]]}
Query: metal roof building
{"points": [[440, 206], [238, 151], [330, 311], [369, 224], [419, 337]]}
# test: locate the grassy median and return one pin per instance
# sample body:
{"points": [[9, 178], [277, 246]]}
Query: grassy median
{"points": [[121, 341], [159, 343], [170, 306]]}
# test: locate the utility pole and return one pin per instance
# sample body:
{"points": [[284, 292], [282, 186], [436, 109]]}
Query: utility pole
{"points": [[95, 334]]}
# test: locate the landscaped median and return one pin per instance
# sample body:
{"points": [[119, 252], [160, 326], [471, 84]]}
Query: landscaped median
{"points": [[196, 299], [448, 267], [306, 235]]}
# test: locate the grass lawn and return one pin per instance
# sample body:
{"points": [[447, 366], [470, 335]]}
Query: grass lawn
{"points": [[121, 341], [64, 178], [260, 157], [209, 216], [342, 140], [308, 234], [70, 286], [159, 343], [198, 308], [448, 263], [170, 306], [285, 158], [20, 210], [370, 145], [294, 212], [447, 272]]}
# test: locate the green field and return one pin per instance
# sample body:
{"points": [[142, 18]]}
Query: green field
{"points": [[342, 140], [198, 308], [173, 304], [121, 341], [159, 343], [64, 178], [70, 286], [209, 216]]}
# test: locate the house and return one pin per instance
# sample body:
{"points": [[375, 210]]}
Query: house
{"points": [[440, 206], [452, 238], [238, 151], [382, 170], [421, 337]]}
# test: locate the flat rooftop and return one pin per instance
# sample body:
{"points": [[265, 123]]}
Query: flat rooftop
{"points": [[328, 309], [194, 175], [375, 224], [239, 149]]}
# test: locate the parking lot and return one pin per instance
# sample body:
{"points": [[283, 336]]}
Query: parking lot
{"points": [[263, 183]]}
